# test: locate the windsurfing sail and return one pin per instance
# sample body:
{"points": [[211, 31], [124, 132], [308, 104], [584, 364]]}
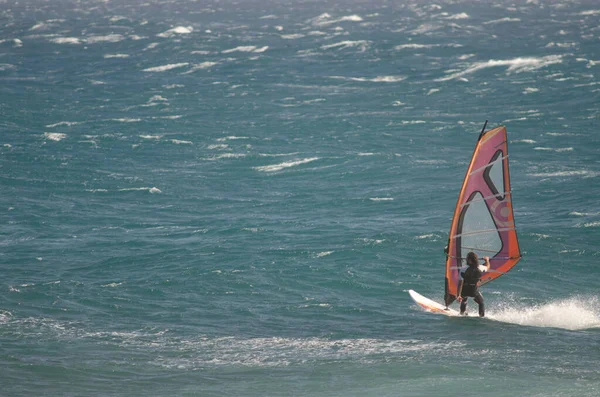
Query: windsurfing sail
{"points": [[483, 219]]}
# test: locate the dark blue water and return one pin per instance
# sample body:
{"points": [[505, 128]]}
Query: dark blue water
{"points": [[232, 199]]}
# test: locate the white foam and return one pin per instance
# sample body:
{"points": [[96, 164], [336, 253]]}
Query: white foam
{"points": [[164, 68], [523, 141], [324, 253], [127, 120], [292, 36], [148, 189], [218, 147], [226, 156], [231, 138], [433, 91], [574, 313], [154, 137], [326, 19], [201, 66], [110, 38], [55, 136], [286, 164], [530, 90], [378, 79], [582, 173], [558, 150], [67, 123], [179, 142], [247, 48], [462, 15], [65, 40], [110, 56], [502, 20], [414, 46], [516, 65], [590, 12], [177, 30], [381, 199], [361, 44]]}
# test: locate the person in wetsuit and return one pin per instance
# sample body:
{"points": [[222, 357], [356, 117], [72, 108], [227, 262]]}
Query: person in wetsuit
{"points": [[468, 286]]}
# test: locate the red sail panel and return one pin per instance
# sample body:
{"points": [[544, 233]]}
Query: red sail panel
{"points": [[483, 219]]}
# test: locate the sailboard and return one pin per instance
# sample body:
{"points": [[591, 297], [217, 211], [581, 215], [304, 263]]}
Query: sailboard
{"points": [[483, 220]]}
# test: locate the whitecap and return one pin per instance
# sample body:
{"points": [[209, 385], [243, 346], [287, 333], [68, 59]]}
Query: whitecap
{"points": [[111, 56], [111, 38], [218, 147], [154, 137], [378, 79], [324, 253], [524, 141], [201, 66], [127, 120], [65, 40], [164, 68], [361, 44], [582, 173], [292, 36], [67, 123], [179, 142], [177, 30], [502, 20], [462, 15], [286, 164], [326, 19], [558, 150], [381, 199], [55, 136], [516, 65], [414, 46], [530, 90], [433, 91], [248, 48], [231, 138]]}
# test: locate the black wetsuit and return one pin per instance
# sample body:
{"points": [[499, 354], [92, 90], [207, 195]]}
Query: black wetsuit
{"points": [[470, 288]]}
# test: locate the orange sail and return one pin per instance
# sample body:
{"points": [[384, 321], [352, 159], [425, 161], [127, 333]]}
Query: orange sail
{"points": [[483, 219]]}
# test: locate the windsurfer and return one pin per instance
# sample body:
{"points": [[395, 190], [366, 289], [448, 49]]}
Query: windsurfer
{"points": [[468, 286]]}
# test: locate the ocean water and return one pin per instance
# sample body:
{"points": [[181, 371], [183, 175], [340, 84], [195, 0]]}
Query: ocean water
{"points": [[233, 198]]}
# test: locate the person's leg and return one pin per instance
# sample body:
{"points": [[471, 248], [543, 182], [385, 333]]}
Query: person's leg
{"points": [[463, 305], [479, 299]]}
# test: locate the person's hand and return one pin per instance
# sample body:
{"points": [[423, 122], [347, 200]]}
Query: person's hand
{"points": [[460, 299], [486, 258]]}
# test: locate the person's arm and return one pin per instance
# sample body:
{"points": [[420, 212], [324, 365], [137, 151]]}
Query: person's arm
{"points": [[487, 263], [460, 285]]}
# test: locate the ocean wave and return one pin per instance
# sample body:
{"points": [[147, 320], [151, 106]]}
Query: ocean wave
{"points": [[558, 150], [55, 136], [164, 68], [285, 164], [516, 65], [501, 20], [582, 173], [118, 56], [248, 48], [574, 313], [110, 38], [292, 36], [378, 79], [65, 40], [361, 44], [326, 19], [179, 30]]}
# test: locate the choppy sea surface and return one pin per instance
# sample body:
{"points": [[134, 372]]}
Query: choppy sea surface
{"points": [[233, 198]]}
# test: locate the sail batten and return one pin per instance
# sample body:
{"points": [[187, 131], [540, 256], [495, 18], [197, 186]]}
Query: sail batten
{"points": [[483, 220]]}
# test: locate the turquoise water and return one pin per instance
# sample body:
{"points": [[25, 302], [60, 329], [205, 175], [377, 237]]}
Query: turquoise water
{"points": [[219, 199]]}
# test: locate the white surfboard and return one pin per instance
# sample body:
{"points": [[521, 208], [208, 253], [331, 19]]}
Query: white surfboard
{"points": [[431, 306]]}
